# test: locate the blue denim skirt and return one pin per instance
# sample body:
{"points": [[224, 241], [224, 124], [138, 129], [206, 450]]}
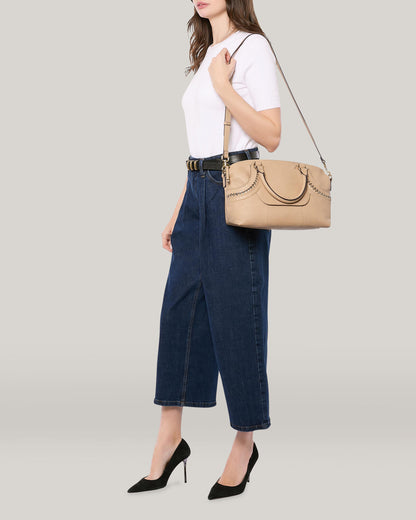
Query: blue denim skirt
{"points": [[214, 311]]}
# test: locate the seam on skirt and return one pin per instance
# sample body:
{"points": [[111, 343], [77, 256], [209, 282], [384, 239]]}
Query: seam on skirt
{"points": [[188, 343]]}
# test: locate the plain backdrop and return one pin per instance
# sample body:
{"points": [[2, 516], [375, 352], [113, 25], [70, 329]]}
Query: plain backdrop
{"points": [[93, 144]]}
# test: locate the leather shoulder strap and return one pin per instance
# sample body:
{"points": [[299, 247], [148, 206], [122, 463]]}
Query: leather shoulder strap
{"points": [[227, 118]]}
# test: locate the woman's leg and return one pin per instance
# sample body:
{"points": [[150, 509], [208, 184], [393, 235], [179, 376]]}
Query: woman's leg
{"points": [[168, 438], [236, 465], [234, 273], [235, 268], [187, 372]]}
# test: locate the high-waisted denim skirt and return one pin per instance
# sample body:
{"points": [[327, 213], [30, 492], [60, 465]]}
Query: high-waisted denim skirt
{"points": [[214, 311]]}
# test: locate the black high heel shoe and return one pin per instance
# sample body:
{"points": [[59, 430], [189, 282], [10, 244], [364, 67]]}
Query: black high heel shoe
{"points": [[220, 490], [180, 454]]}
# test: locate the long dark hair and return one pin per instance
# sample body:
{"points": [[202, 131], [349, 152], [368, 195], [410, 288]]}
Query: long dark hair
{"points": [[242, 16]]}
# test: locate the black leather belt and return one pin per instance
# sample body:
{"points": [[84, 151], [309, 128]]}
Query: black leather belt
{"points": [[216, 164]]}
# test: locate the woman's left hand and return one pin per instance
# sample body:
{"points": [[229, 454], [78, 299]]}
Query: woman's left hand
{"points": [[221, 69]]}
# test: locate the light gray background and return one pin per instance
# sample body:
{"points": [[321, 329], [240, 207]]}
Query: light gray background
{"points": [[93, 144]]}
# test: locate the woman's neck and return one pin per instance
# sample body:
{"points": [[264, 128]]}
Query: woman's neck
{"points": [[221, 28]]}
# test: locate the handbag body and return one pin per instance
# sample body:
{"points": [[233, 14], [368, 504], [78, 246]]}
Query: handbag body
{"points": [[275, 194]]}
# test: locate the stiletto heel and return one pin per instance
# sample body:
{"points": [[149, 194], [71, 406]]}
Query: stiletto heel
{"points": [[184, 468], [180, 454], [220, 490]]}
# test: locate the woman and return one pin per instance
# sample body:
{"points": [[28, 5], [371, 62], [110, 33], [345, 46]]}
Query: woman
{"points": [[214, 311]]}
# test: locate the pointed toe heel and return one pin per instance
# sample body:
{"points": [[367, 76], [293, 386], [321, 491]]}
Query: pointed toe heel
{"points": [[180, 454], [221, 491]]}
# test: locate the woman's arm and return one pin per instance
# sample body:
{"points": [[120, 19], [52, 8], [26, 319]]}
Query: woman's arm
{"points": [[263, 126], [167, 232]]}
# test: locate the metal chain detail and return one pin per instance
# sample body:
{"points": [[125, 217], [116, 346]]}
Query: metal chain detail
{"points": [[318, 191], [299, 167], [236, 193], [247, 189]]}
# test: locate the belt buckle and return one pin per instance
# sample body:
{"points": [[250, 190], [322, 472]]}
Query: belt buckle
{"points": [[192, 164]]}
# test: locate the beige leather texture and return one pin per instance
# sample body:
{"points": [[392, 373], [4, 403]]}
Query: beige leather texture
{"points": [[269, 194], [275, 194]]}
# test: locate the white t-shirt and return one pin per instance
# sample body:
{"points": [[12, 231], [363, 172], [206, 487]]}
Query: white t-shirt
{"points": [[255, 79]]}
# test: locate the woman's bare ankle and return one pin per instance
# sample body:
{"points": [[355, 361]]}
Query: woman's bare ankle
{"points": [[168, 440], [243, 439]]}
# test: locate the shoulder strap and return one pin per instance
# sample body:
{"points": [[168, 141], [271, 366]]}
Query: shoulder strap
{"points": [[227, 119]]}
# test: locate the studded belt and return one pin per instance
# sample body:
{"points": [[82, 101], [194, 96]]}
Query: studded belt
{"points": [[216, 164]]}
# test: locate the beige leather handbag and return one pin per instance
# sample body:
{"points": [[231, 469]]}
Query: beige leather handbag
{"points": [[274, 194]]}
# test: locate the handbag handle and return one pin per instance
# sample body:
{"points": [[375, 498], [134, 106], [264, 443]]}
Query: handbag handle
{"points": [[227, 118]]}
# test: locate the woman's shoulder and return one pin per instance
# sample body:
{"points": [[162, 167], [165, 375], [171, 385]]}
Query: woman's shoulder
{"points": [[254, 42]]}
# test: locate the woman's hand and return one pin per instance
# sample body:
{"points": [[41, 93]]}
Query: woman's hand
{"points": [[167, 232], [166, 236], [221, 69]]}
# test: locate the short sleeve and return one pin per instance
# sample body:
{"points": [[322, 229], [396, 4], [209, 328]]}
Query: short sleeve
{"points": [[260, 72]]}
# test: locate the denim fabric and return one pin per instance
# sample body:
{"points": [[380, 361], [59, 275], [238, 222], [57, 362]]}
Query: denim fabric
{"points": [[214, 311]]}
